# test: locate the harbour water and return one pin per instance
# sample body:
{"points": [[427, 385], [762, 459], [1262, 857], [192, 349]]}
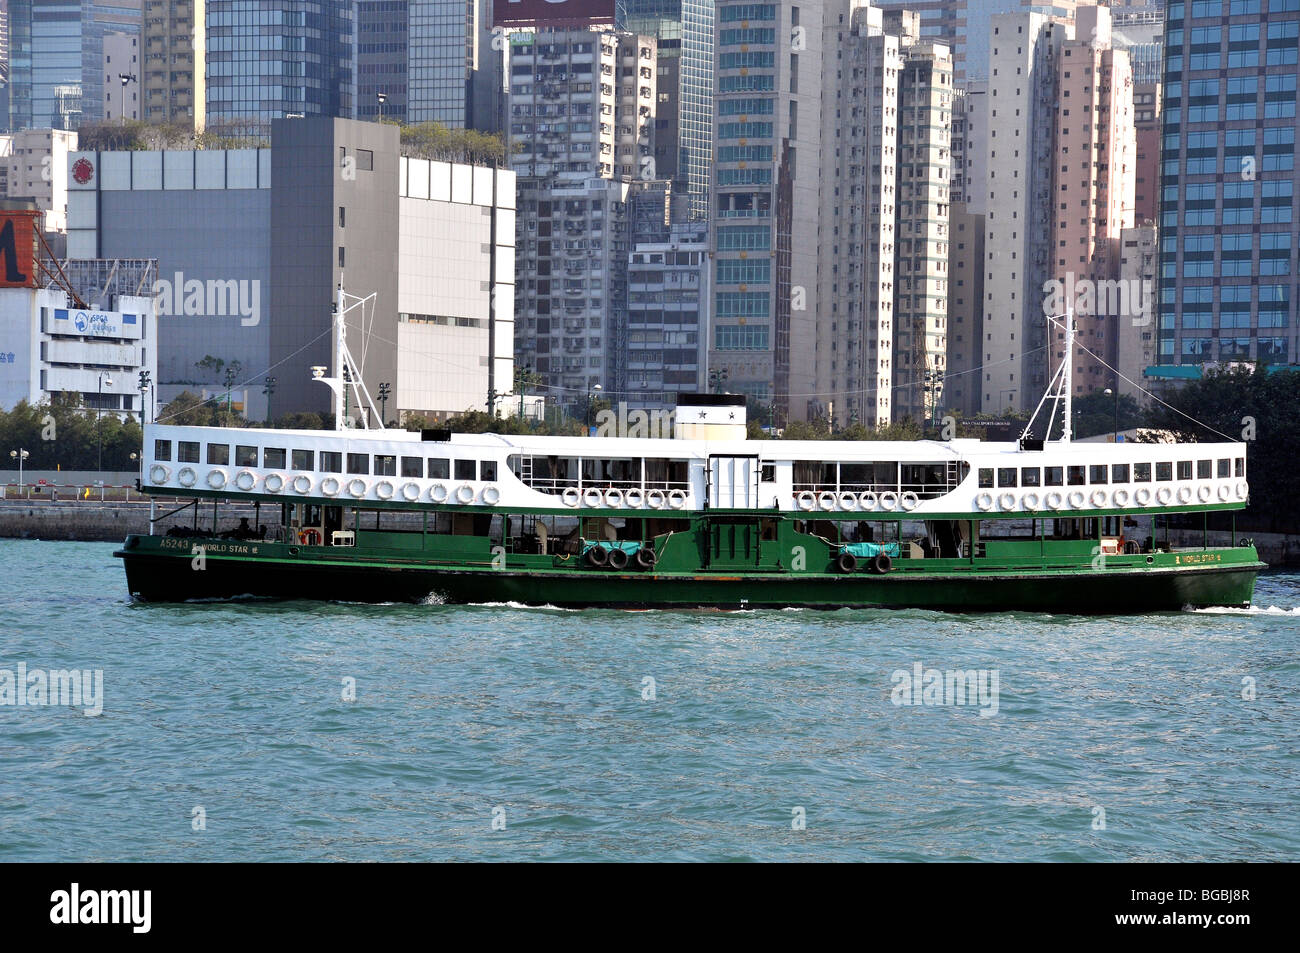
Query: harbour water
{"points": [[256, 730]]}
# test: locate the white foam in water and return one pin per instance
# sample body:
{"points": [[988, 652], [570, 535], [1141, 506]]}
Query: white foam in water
{"points": [[1249, 610]]}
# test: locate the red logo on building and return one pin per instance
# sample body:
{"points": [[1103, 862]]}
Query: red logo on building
{"points": [[83, 171]]}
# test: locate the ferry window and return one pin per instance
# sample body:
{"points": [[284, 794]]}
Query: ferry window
{"points": [[1184, 469], [1119, 473], [1141, 473], [1225, 468], [986, 478], [162, 450], [1006, 476], [767, 473], [612, 473], [304, 459], [1097, 473], [885, 476], [814, 475], [331, 461], [218, 454], [853, 476], [1240, 468], [439, 469], [1204, 469], [1055, 476], [385, 464], [245, 456], [1075, 475], [273, 457], [465, 469], [187, 451], [412, 466], [928, 477], [664, 474], [358, 463], [1164, 471], [1031, 476], [488, 469]]}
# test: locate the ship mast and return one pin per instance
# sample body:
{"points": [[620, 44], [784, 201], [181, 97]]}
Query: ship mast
{"points": [[346, 371], [1060, 388]]}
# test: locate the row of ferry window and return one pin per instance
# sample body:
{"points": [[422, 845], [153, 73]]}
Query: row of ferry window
{"points": [[363, 464], [1114, 473]]}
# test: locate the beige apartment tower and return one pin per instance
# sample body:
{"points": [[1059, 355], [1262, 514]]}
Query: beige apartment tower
{"points": [[173, 41]]}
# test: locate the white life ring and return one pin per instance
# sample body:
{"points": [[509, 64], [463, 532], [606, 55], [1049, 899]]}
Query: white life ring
{"points": [[889, 500], [1164, 495], [1225, 491], [464, 493], [187, 476], [984, 501], [1054, 499], [1203, 493], [1030, 501], [216, 479], [868, 500], [1142, 496], [273, 483], [677, 499], [357, 487], [806, 500], [1007, 501], [410, 492], [1075, 499], [656, 499], [592, 496], [438, 493], [826, 500], [330, 486], [302, 483], [1184, 494], [1243, 489], [570, 496], [614, 497], [384, 490], [909, 500], [1098, 499], [491, 495], [848, 501], [245, 480], [1121, 497], [158, 473], [634, 497]]}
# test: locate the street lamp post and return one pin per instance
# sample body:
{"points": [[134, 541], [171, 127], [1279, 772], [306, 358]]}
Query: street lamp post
{"points": [[230, 383], [268, 390], [1108, 392], [594, 388], [99, 416], [20, 455], [385, 391], [383, 98], [125, 78], [145, 385]]}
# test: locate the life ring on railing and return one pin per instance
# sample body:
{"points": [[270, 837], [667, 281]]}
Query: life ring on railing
{"points": [[384, 490], [570, 496], [216, 479], [868, 500], [847, 562], [301, 483], [1164, 495], [356, 488], [909, 501], [848, 501], [273, 483], [410, 492], [438, 493], [309, 537], [826, 500], [805, 500], [1203, 493], [1184, 494], [1120, 498], [677, 499], [491, 495], [1225, 491], [187, 476], [330, 486], [634, 497], [656, 499], [245, 480], [614, 497], [464, 493], [1075, 499], [1030, 501], [984, 501], [1007, 501], [158, 473], [889, 500], [1098, 499], [1142, 496], [1243, 489], [1053, 499], [592, 496]]}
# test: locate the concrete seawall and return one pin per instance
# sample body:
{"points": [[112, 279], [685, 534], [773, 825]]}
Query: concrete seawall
{"points": [[91, 521]]}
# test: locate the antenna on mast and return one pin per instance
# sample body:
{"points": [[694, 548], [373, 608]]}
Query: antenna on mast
{"points": [[347, 373], [1060, 388]]}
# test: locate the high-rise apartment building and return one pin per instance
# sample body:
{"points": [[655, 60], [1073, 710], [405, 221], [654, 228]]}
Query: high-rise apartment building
{"points": [[1146, 125], [174, 62], [1228, 228], [32, 166], [121, 71], [667, 304], [1136, 344]]}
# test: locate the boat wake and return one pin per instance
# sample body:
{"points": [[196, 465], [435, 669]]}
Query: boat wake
{"points": [[1249, 610]]}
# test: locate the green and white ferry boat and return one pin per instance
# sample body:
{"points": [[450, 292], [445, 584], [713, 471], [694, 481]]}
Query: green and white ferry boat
{"points": [[702, 518]]}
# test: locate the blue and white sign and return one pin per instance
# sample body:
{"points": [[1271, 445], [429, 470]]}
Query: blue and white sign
{"points": [[102, 324]]}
